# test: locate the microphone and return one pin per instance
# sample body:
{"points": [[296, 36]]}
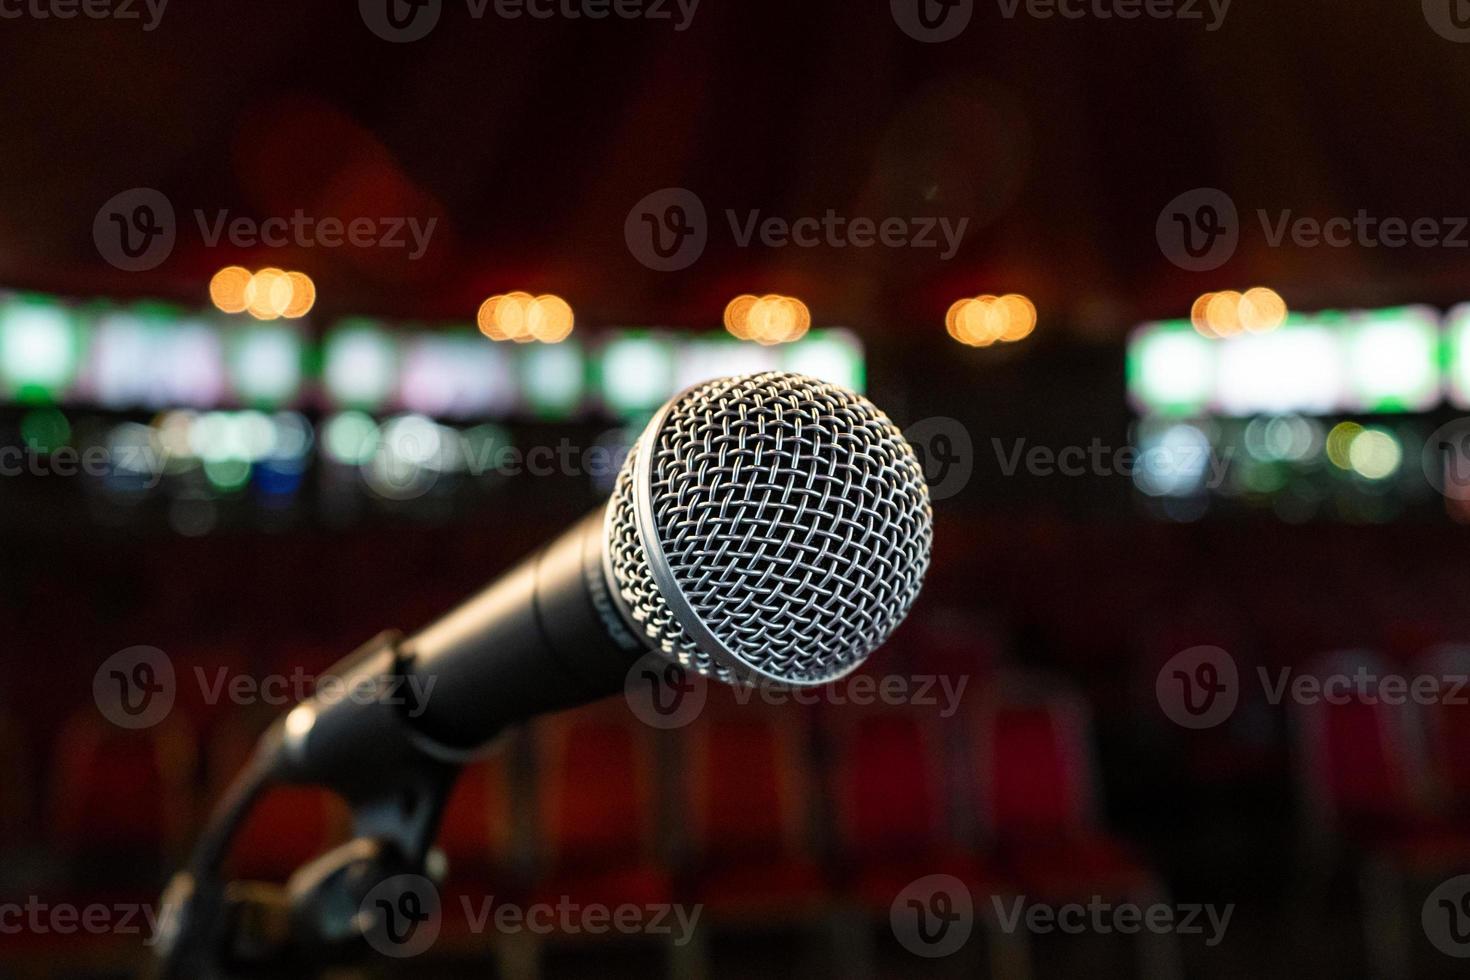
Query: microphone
{"points": [[769, 528]]}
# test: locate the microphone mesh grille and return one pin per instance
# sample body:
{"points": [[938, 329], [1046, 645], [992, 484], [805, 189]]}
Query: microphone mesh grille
{"points": [[794, 520]]}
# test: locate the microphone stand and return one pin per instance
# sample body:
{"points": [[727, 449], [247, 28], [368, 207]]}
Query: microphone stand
{"points": [[213, 929]]}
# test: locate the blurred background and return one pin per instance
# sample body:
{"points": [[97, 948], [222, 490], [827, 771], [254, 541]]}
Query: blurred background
{"points": [[313, 319]]}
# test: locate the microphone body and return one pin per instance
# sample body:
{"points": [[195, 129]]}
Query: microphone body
{"points": [[765, 529], [544, 637]]}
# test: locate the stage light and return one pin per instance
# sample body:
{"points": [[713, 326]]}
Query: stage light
{"points": [[549, 319], [350, 438], [1228, 313], [831, 355], [637, 373], [1339, 444], [553, 379], [1375, 454], [227, 289], [1170, 369], [1199, 316], [737, 314], [303, 296], [522, 318], [1222, 313], [1261, 310], [40, 348], [768, 320], [1393, 360], [268, 294], [361, 365], [1018, 317], [986, 320]]}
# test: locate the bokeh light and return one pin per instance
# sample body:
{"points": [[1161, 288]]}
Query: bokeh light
{"points": [[986, 320], [227, 289], [522, 318], [266, 295], [1228, 313], [767, 320]]}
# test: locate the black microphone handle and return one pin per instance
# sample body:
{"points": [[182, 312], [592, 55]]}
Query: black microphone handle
{"points": [[543, 637]]}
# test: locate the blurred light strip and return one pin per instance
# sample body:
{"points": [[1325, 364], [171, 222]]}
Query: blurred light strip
{"points": [[154, 356], [1317, 364]]}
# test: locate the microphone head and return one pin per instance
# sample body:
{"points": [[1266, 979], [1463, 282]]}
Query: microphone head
{"points": [[768, 528]]}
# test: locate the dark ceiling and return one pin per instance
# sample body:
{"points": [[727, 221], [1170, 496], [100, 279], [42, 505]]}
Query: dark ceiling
{"points": [[1059, 140]]}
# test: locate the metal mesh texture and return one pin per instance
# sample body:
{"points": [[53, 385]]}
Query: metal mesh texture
{"points": [[794, 520]]}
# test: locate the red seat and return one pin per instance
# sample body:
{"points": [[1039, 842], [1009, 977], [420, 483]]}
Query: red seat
{"points": [[1447, 730], [892, 814], [288, 827], [1036, 796], [475, 830], [598, 808], [749, 808], [120, 800], [1359, 771]]}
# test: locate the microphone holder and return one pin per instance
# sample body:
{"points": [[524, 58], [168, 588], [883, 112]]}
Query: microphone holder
{"points": [[212, 929]]}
